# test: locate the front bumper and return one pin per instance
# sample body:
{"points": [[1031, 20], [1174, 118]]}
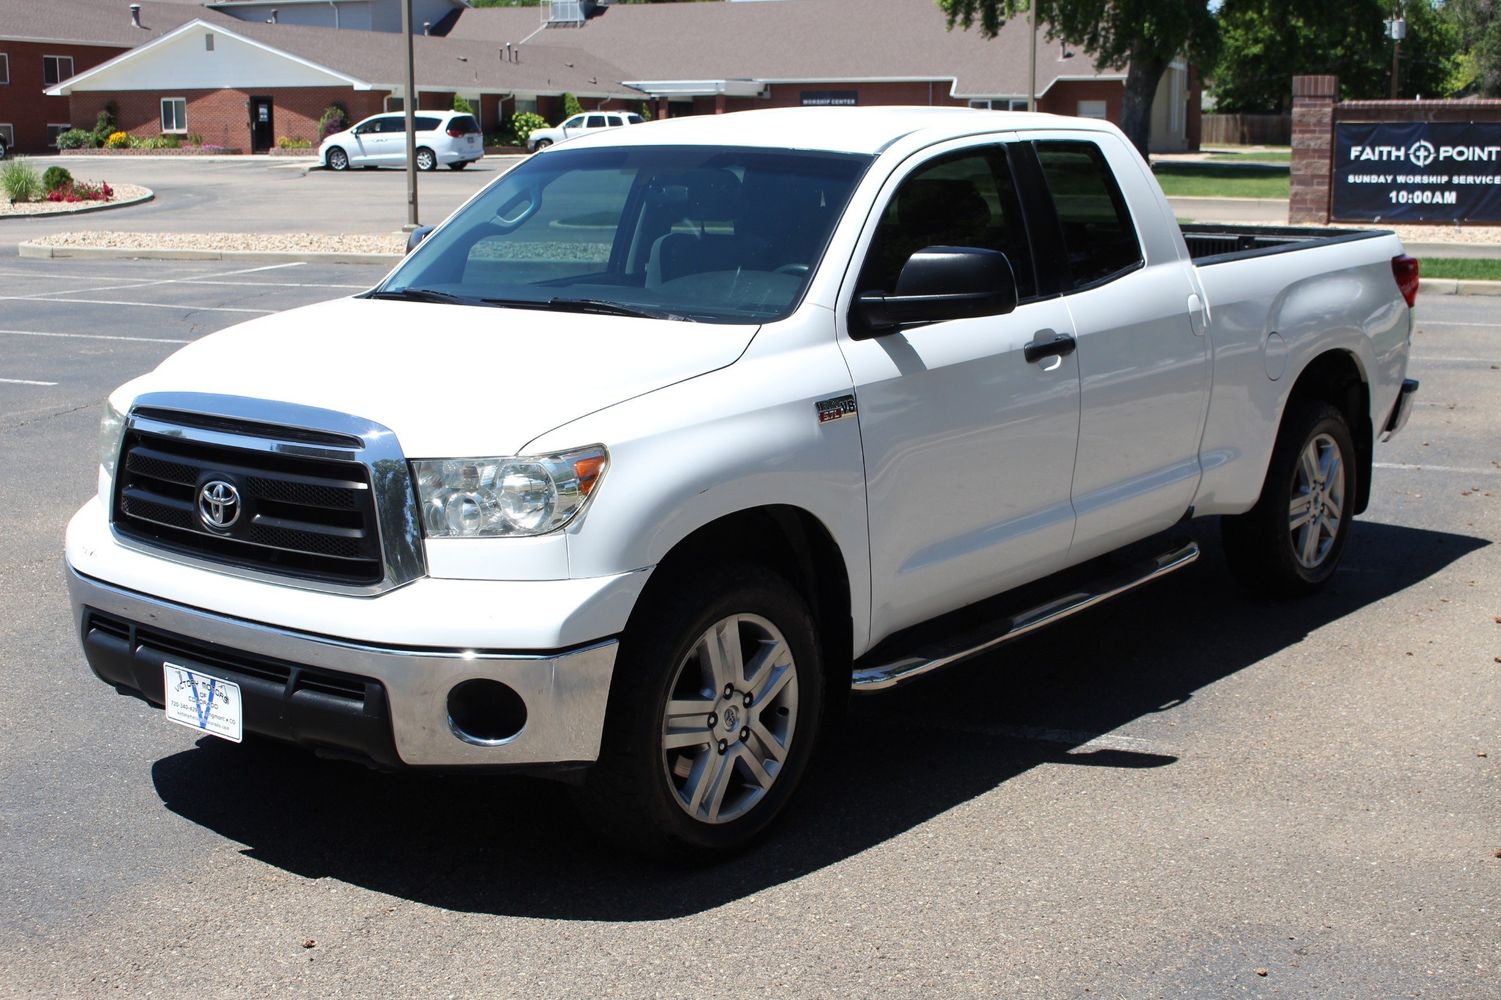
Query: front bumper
{"points": [[385, 704]]}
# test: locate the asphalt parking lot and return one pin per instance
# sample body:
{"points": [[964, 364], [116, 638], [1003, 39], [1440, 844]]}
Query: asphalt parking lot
{"points": [[1190, 792]]}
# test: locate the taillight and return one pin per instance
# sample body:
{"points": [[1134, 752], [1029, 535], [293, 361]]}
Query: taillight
{"points": [[1405, 270], [456, 133]]}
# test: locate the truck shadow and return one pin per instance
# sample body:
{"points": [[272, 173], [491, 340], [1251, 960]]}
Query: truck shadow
{"points": [[515, 846]]}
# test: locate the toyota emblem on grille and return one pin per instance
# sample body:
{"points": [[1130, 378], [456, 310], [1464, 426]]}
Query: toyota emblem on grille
{"points": [[218, 504]]}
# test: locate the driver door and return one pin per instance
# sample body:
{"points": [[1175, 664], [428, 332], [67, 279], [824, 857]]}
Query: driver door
{"points": [[969, 447]]}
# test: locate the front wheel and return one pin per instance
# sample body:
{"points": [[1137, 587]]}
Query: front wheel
{"points": [[541, 144], [338, 159], [715, 712], [1290, 543], [427, 160]]}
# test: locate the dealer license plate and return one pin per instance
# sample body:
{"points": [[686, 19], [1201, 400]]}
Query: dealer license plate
{"points": [[208, 704]]}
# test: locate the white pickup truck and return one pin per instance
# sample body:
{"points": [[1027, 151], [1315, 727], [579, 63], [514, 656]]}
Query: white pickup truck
{"points": [[673, 436]]}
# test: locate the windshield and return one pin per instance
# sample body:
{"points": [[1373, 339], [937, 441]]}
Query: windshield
{"points": [[682, 232]]}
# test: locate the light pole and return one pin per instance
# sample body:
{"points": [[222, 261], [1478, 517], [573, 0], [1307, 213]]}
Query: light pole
{"points": [[408, 106], [1396, 30], [1032, 57]]}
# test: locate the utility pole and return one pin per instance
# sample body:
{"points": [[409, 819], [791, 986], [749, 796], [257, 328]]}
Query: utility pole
{"points": [[1032, 57], [408, 105], [1396, 29]]}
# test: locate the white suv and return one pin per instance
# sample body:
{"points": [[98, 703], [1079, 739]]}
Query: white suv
{"points": [[578, 125], [452, 138]]}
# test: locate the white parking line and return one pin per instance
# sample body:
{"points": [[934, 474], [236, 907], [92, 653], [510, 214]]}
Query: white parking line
{"points": [[49, 296], [158, 305], [1437, 360], [24, 381], [1424, 324], [91, 336], [1405, 467]]}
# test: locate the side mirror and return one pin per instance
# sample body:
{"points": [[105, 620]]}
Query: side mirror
{"points": [[417, 236], [942, 283]]}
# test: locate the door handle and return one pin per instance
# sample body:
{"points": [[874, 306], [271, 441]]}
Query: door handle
{"points": [[1059, 345]]}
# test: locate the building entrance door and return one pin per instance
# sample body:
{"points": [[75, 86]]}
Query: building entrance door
{"points": [[262, 125]]}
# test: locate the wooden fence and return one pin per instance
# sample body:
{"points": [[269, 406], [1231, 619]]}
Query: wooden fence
{"points": [[1247, 130]]}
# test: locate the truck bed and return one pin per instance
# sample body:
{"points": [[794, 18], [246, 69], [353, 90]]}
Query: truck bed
{"points": [[1215, 244]]}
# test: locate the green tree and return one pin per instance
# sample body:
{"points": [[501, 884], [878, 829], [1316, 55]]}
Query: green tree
{"points": [[1264, 43], [571, 106], [1143, 35], [462, 106], [1477, 24]]}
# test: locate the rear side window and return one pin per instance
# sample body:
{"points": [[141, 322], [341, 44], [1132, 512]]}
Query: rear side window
{"points": [[595, 121], [1097, 232], [963, 200], [426, 124]]}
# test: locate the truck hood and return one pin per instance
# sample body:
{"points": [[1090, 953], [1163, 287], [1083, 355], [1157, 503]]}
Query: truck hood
{"points": [[449, 380]]}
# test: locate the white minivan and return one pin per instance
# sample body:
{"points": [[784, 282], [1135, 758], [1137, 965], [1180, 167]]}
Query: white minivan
{"points": [[452, 138]]}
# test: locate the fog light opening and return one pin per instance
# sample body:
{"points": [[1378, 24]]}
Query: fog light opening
{"points": [[486, 713]]}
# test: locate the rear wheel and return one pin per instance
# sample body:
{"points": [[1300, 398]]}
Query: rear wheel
{"points": [[338, 159], [715, 712], [427, 159], [459, 165], [1290, 543]]}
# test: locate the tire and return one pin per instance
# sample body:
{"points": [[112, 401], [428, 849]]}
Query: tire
{"points": [[427, 160], [338, 159], [459, 165], [1290, 543], [672, 784], [542, 144]]}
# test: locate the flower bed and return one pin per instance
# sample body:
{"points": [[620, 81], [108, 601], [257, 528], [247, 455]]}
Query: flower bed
{"points": [[73, 192], [184, 151]]}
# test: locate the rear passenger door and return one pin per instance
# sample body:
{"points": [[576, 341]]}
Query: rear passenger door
{"points": [[969, 447], [1143, 360]]}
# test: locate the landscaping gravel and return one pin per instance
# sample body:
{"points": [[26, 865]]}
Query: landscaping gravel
{"points": [[388, 243]]}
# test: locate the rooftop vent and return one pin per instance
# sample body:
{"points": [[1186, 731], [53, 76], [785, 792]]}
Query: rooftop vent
{"points": [[567, 13], [427, 27], [135, 14], [272, 18]]}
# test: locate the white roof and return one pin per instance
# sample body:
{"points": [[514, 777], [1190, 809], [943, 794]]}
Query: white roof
{"points": [[843, 130]]}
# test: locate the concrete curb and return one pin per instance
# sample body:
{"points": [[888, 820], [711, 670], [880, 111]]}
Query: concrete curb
{"points": [[1457, 286], [87, 207], [40, 251]]}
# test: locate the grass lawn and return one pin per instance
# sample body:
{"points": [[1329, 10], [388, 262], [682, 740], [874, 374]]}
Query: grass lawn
{"points": [[1468, 268], [1221, 180], [1264, 156]]}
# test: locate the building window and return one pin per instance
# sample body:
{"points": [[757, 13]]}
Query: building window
{"points": [[174, 114], [4, 67], [1091, 109], [56, 69], [53, 131], [208, 42]]}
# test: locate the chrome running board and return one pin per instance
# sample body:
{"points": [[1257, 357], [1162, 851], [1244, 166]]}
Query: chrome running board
{"points": [[888, 675]]}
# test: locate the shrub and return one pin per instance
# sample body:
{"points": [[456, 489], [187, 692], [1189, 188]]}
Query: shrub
{"points": [[525, 123], [334, 119], [288, 142], [646, 111], [193, 139], [54, 178], [571, 106], [76, 138], [104, 123], [462, 106], [76, 191], [20, 180], [117, 140], [156, 142]]}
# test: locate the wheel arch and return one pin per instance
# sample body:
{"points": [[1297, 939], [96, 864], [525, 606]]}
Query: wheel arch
{"points": [[1337, 378], [793, 543]]}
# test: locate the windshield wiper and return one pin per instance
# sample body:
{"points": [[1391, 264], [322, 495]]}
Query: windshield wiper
{"points": [[608, 308], [423, 295]]}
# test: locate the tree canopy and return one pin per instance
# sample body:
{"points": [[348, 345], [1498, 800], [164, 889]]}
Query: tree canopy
{"points": [[1264, 43], [1144, 36]]}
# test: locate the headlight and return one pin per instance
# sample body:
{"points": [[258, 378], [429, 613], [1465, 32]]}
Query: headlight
{"points": [[484, 497], [111, 430]]}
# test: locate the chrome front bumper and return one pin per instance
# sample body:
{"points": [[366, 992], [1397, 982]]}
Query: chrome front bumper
{"points": [[565, 693]]}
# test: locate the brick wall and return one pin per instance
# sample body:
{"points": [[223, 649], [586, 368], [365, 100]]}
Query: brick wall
{"points": [[222, 117], [1313, 143], [22, 103]]}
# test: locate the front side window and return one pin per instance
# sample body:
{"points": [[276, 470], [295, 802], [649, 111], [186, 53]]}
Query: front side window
{"points": [[577, 121], [174, 114], [701, 233], [56, 69], [959, 200], [1097, 231]]}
